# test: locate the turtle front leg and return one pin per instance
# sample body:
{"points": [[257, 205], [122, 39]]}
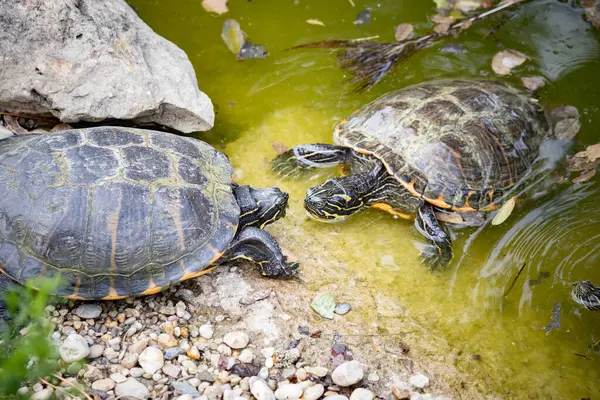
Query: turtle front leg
{"points": [[310, 156], [439, 254], [5, 284], [260, 247]]}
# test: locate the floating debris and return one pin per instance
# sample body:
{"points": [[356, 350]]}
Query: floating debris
{"points": [[555, 323], [342, 308], [441, 4], [403, 32], [586, 161], [215, 6], [584, 176], [315, 22], [533, 83], [504, 61], [251, 50], [363, 18], [592, 14], [279, 147], [233, 36], [541, 277], [324, 305], [452, 48], [504, 211]]}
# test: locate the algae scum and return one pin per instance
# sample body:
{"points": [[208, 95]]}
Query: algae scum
{"points": [[295, 97]]}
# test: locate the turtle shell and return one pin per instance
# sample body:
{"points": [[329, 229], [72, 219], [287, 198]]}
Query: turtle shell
{"points": [[115, 211], [458, 144]]}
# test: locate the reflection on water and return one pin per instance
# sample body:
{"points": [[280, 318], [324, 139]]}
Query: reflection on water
{"points": [[298, 97]]}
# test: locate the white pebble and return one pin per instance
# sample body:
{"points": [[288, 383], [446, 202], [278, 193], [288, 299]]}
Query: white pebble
{"points": [[132, 388], [261, 390], [74, 348], [314, 392], [287, 392], [347, 373], [336, 397], [151, 360], [419, 381], [317, 371], [207, 331], [103, 384], [246, 356], [361, 394], [237, 339]]}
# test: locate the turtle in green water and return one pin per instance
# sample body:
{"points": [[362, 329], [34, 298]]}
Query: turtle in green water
{"points": [[449, 145], [585, 293], [119, 212]]}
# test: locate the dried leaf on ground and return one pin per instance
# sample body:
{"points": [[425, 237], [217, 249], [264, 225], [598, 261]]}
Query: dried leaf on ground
{"points": [[567, 128], [12, 123], [585, 176], [215, 6], [504, 211], [585, 160], [533, 83], [504, 61], [403, 32], [233, 36], [324, 305], [315, 22], [363, 18], [279, 147]]}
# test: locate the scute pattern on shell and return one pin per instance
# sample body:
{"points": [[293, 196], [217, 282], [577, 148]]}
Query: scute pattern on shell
{"points": [[458, 144], [115, 211]]}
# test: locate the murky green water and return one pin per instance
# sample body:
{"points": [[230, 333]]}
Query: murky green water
{"points": [[298, 96]]}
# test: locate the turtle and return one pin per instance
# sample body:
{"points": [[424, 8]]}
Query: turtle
{"points": [[452, 146], [120, 212], [585, 293]]}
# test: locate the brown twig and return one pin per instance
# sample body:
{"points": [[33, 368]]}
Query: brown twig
{"points": [[60, 378], [515, 280]]}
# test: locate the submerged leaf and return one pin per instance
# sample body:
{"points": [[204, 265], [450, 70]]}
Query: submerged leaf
{"points": [[555, 322], [585, 176], [279, 147], [251, 50], [504, 211], [324, 305], [504, 61], [567, 128], [403, 32], [233, 36], [315, 22], [363, 18], [216, 6], [533, 83]]}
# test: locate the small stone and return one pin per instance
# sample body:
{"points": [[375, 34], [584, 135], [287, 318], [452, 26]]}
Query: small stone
{"points": [[336, 397], [342, 308], [246, 356], [220, 318], [400, 394], [287, 372], [166, 340], [193, 353], [261, 390], [419, 381], [136, 372], [129, 360], [236, 339], [43, 394], [104, 385], [167, 310], [301, 374], [361, 394], [96, 351], [224, 349], [74, 348], [185, 388], [132, 388], [185, 397], [207, 331], [118, 378], [206, 376], [268, 352], [171, 370], [319, 372], [88, 311], [287, 392], [269, 363], [373, 377], [151, 360], [138, 346], [347, 373], [172, 353], [111, 354], [73, 369], [313, 392]]}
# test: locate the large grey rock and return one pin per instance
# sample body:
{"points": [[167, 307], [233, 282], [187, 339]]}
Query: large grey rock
{"points": [[86, 60]]}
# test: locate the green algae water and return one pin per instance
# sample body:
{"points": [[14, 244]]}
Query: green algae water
{"points": [[295, 97]]}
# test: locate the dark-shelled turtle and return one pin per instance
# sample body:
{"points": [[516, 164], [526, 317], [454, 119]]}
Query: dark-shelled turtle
{"points": [[120, 212], [454, 145]]}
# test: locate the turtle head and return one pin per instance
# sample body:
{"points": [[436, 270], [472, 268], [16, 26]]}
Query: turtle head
{"points": [[586, 294], [260, 206], [333, 200]]}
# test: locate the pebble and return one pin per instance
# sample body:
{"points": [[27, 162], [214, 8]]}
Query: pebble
{"points": [[373, 377], [151, 360], [74, 348], [166, 340], [419, 381], [400, 394], [314, 392], [317, 371], [88, 311], [206, 376], [129, 360], [336, 397], [136, 372], [207, 331], [132, 388], [173, 353], [96, 351], [118, 378], [193, 353], [261, 390], [362, 394], [138, 346], [171, 370], [347, 373], [342, 308], [246, 356], [236, 339], [104, 385], [184, 388], [43, 394], [185, 397], [287, 392]]}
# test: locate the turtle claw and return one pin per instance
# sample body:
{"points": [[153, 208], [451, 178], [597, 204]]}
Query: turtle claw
{"points": [[288, 165], [436, 258]]}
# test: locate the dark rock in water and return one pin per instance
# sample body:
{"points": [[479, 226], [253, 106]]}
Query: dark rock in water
{"points": [[555, 323], [340, 353], [541, 277], [67, 57], [363, 18], [251, 50], [245, 370]]}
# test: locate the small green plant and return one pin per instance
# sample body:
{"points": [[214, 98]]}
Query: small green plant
{"points": [[27, 350]]}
